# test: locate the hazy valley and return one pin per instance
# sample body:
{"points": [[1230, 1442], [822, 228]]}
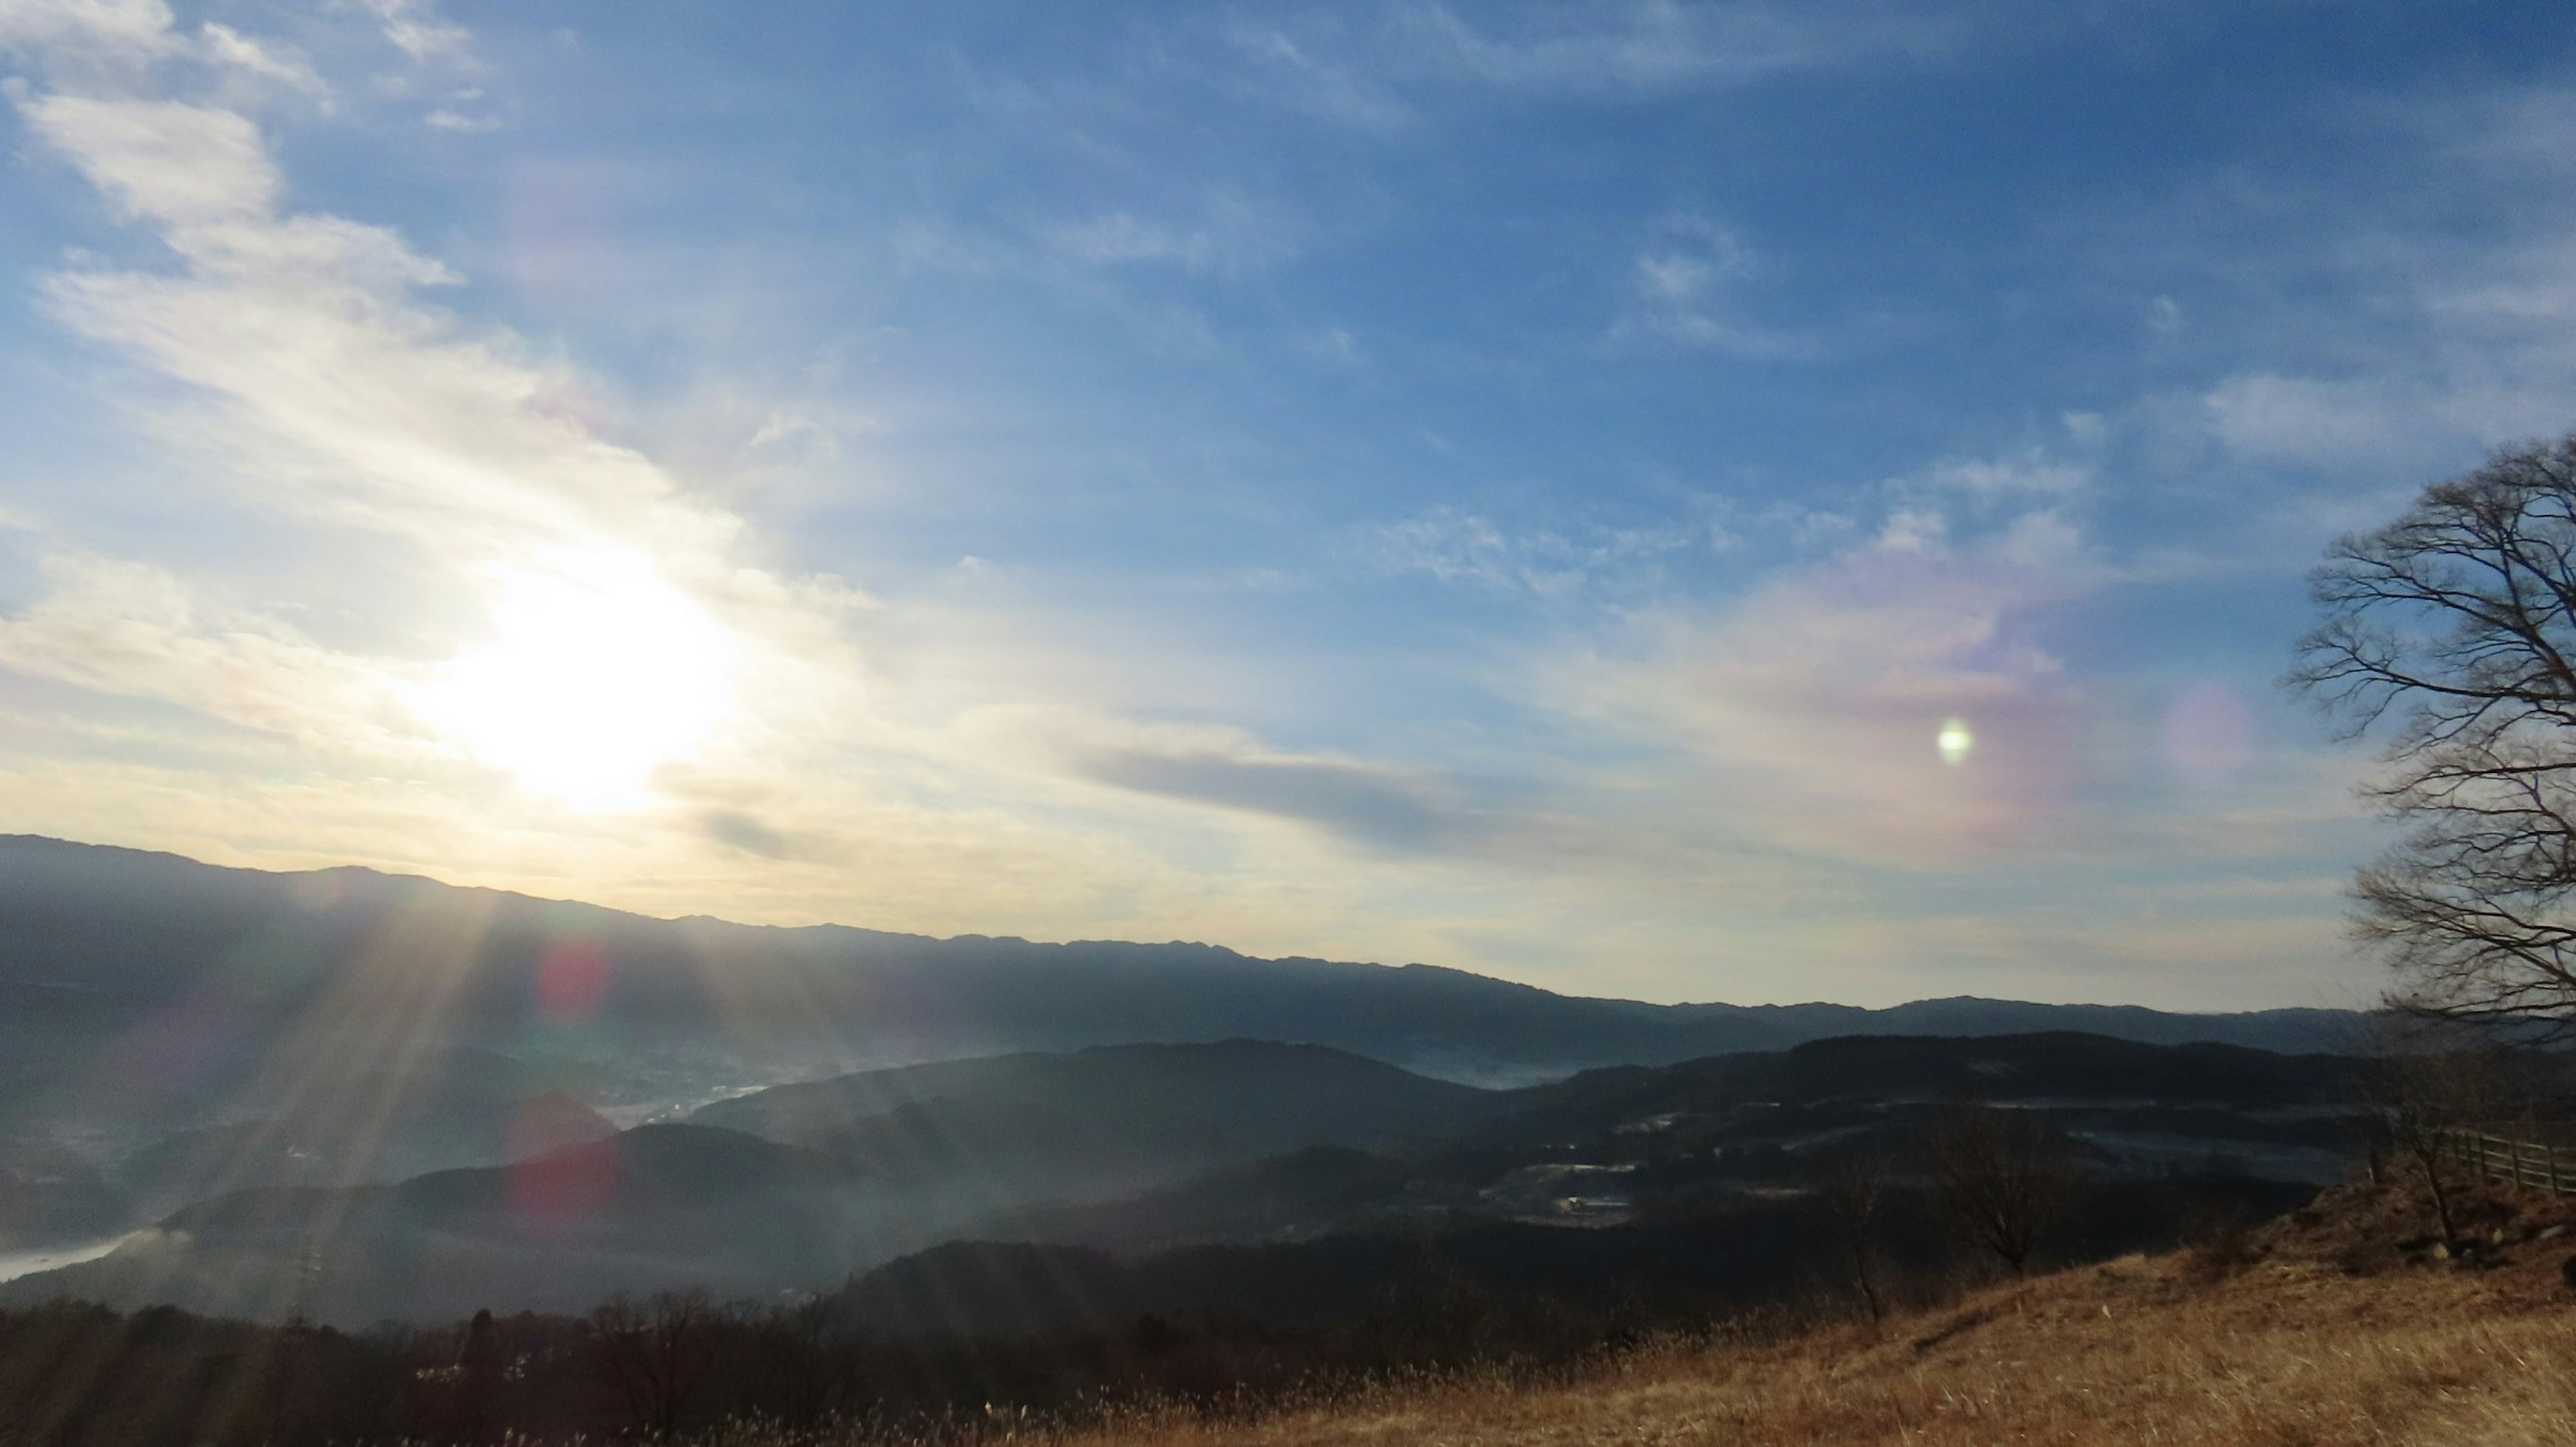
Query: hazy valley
{"points": [[468, 1157]]}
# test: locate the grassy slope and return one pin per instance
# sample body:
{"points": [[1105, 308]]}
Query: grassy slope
{"points": [[2334, 1333]]}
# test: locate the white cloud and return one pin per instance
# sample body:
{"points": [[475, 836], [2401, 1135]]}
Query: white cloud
{"points": [[1376, 69], [417, 30], [1325, 86], [1686, 288], [1455, 546], [193, 168], [2018, 477], [1227, 233], [2273, 418], [459, 123], [117, 33], [1119, 237], [2464, 340], [1655, 46], [229, 47], [133, 630]]}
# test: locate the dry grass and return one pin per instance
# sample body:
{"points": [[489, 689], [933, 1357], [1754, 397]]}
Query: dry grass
{"points": [[2277, 1356], [2329, 1334]]}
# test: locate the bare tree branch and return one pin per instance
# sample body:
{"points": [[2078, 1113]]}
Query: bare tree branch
{"points": [[2453, 631]]}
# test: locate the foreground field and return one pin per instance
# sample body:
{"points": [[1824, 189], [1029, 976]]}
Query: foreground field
{"points": [[2334, 1328]]}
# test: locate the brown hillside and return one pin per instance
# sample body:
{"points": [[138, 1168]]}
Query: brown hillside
{"points": [[2339, 1326]]}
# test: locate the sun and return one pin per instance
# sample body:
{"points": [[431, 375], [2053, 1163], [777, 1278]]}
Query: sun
{"points": [[595, 671]]}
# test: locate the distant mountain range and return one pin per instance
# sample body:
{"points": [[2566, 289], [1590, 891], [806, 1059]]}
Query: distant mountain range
{"points": [[243, 979]]}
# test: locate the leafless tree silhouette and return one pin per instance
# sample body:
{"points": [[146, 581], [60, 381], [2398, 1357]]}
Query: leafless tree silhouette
{"points": [[652, 1355], [2454, 627], [2429, 1077], [2004, 1178], [1854, 1195]]}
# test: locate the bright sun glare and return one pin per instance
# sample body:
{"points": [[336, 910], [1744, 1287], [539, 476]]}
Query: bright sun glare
{"points": [[596, 670]]}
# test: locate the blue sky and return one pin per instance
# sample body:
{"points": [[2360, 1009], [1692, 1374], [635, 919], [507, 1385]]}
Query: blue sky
{"points": [[1523, 487]]}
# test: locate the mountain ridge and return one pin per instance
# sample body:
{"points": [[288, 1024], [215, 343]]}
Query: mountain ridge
{"points": [[831, 998]]}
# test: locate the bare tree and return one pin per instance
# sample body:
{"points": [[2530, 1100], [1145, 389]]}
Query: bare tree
{"points": [[1854, 1195], [795, 1364], [2430, 1078], [653, 1354], [2454, 627], [478, 1380], [2004, 1175]]}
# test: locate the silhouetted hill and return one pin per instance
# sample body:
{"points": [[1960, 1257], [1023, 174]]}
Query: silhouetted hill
{"points": [[1110, 1117], [1302, 1193], [2056, 1065], [383, 1129], [1637, 1143], [985, 1288], [49, 1196], [1454, 1282]]}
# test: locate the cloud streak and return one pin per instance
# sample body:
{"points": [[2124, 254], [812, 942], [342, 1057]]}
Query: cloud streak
{"points": [[1377, 72]]}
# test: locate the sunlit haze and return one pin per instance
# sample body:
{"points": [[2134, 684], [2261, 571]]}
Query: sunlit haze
{"points": [[596, 672], [1731, 501]]}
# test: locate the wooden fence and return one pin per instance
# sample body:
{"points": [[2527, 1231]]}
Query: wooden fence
{"points": [[2523, 1163]]}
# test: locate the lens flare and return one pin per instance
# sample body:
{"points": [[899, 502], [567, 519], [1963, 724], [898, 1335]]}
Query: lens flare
{"points": [[572, 981], [1954, 741], [2208, 736]]}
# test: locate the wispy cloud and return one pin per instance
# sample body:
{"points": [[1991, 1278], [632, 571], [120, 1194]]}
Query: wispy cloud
{"points": [[1370, 804], [1687, 288], [1226, 233], [1622, 44], [269, 60], [459, 123], [416, 28], [116, 35], [1374, 70], [129, 629], [1452, 545], [2466, 339]]}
